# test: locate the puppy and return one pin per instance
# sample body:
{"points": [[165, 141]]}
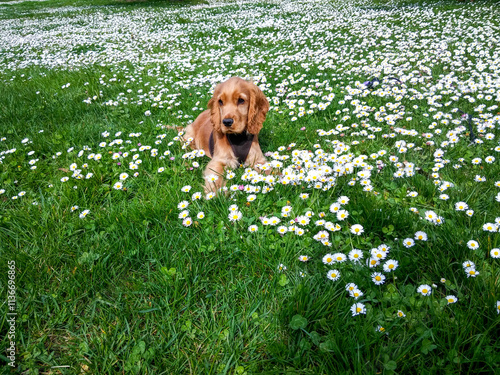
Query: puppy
{"points": [[228, 130]]}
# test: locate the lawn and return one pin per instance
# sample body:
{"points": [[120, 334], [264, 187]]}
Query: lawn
{"points": [[372, 248]]}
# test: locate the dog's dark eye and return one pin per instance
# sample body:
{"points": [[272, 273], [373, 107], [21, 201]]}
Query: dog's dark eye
{"points": [[241, 101], [220, 102]]}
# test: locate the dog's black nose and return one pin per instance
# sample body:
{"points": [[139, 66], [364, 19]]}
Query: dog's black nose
{"points": [[228, 122]]}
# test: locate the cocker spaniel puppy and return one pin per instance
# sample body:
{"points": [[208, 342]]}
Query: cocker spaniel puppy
{"points": [[228, 130]]}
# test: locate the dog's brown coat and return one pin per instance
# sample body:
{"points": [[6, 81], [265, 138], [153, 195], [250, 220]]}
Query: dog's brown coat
{"points": [[245, 104]]}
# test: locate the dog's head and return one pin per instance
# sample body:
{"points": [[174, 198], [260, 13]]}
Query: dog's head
{"points": [[238, 106]]}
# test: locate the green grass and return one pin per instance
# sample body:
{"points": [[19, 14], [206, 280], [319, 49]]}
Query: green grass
{"points": [[130, 289]]}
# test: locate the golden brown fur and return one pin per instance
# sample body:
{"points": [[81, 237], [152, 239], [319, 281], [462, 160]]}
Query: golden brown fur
{"points": [[237, 100]]}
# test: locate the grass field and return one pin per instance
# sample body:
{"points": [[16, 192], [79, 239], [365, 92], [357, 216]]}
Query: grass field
{"points": [[374, 248]]}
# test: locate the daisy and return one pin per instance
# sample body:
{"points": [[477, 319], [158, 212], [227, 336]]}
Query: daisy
{"points": [[211, 178], [384, 248], [123, 176], [281, 267], [253, 228], [339, 257], [333, 275], [421, 236], [400, 314], [235, 216], [373, 262], [200, 215], [343, 200], [350, 287], [326, 242], [299, 231], [303, 258], [187, 221], [355, 293], [282, 229], [425, 290], [302, 220], [304, 196], [358, 308], [182, 205], [118, 186], [498, 307], [377, 254], [64, 179], [468, 263], [251, 198], [378, 278], [408, 242], [273, 220], [495, 253], [451, 299], [321, 235], [84, 213], [461, 206], [390, 265], [430, 216], [196, 196], [74, 208], [357, 229], [334, 208], [342, 215], [183, 214], [439, 220], [471, 272], [328, 259], [355, 255], [473, 245], [490, 227]]}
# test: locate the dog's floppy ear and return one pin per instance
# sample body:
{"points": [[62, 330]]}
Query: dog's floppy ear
{"points": [[213, 105], [257, 110]]}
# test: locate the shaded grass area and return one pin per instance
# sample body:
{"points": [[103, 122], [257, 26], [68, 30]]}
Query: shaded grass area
{"points": [[130, 290]]}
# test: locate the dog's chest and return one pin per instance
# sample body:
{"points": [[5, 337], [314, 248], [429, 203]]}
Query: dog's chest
{"points": [[240, 144]]}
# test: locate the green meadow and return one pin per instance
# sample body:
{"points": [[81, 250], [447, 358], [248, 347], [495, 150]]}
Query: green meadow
{"points": [[372, 247]]}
